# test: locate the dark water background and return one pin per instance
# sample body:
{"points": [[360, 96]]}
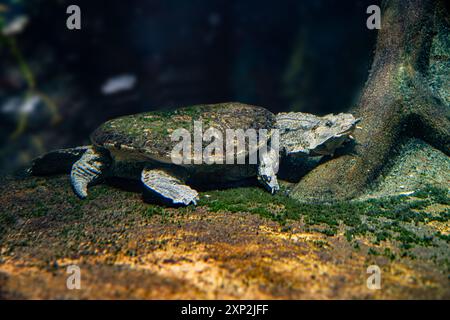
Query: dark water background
{"points": [[308, 56]]}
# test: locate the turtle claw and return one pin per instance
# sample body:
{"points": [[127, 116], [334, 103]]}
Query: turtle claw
{"points": [[189, 201], [79, 188], [274, 189]]}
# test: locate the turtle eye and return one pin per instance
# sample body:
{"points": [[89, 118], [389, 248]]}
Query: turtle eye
{"points": [[328, 123]]}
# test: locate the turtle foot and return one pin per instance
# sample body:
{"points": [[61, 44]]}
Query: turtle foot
{"points": [[168, 186], [86, 171]]}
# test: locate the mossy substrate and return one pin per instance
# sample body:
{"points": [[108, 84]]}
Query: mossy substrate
{"points": [[237, 243]]}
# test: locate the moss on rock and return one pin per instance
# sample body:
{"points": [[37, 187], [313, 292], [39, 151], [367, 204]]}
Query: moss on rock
{"points": [[237, 243]]}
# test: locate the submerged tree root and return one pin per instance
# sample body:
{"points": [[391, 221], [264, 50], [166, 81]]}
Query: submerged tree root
{"points": [[407, 94]]}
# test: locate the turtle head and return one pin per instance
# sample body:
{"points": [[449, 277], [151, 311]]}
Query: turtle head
{"points": [[306, 134], [332, 132]]}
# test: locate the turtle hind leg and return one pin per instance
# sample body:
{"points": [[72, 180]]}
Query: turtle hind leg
{"points": [[56, 161], [87, 170], [165, 184]]}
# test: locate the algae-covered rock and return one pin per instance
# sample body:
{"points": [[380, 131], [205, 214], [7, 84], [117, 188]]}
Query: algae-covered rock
{"points": [[240, 243], [415, 166]]}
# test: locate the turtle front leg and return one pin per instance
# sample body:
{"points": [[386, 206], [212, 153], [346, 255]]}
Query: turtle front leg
{"points": [[267, 169], [87, 170], [165, 184]]}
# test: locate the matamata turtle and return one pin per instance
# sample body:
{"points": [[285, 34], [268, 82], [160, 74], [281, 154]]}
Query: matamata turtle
{"points": [[156, 147]]}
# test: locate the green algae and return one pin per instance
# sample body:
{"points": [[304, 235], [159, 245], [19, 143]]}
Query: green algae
{"points": [[384, 219], [403, 220], [151, 133]]}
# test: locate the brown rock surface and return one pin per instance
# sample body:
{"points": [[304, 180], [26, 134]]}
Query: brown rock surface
{"points": [[127, 251]]}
